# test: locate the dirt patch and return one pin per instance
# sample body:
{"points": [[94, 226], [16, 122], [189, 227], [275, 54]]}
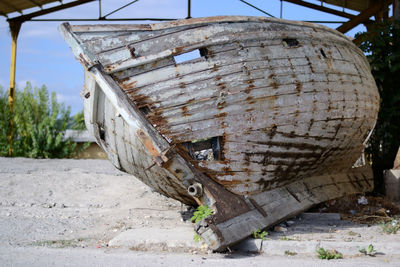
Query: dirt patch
{"points": [[361, 209]]}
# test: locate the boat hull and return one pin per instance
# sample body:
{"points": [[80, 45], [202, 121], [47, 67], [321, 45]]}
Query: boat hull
{"points": [[268, 119]]}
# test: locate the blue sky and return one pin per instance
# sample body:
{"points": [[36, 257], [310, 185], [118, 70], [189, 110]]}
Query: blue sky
{"points": [[44, 57]]}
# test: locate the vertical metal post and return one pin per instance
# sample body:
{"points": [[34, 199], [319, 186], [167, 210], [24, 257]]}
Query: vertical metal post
{"points": [[99, 9], [281, 13], [14, 29], [189, 9]]}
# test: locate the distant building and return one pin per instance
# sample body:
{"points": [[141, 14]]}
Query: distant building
{"points": [[82, 137]]}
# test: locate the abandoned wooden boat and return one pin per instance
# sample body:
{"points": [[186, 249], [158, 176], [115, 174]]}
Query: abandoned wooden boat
{"points": [[267, 121]]}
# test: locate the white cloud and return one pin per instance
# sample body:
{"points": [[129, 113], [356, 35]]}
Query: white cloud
{"points": [[20, 84], [72, 100]]}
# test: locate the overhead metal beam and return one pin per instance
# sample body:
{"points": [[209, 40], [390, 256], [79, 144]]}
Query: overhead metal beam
{"points": [[5, 15], [360, 18], [321, 8], [118, 9], [259, 9], [29, 16], [100, 19], [7, 3], [35, 3]]}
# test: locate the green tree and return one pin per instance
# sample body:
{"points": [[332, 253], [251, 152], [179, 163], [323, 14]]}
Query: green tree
{"points": [[39, 122], [382, 47], [4, 122], [78, 122]]}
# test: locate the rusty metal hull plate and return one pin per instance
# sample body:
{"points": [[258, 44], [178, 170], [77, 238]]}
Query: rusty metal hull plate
{"points": [[275, 103]]}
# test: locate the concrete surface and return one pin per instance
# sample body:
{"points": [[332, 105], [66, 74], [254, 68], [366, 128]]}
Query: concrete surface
{"points": [[85, 212], [392, 184]]}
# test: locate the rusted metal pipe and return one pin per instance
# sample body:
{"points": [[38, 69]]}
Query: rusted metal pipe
{"points": [[195, 190]]}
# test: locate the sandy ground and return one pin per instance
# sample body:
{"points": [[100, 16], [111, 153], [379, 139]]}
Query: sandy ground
{"points": [[64, 213], [75, 203]]}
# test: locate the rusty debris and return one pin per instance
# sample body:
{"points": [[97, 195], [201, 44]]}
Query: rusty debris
{"points": [[257, 118]]}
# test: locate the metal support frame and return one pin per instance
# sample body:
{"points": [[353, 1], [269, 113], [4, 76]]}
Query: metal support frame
{"points": [[116, 10], [321, 8], [259, 9], [15, 26], [189, 9], [362, 17], [29, 16], [14, 29], [117, 19]]}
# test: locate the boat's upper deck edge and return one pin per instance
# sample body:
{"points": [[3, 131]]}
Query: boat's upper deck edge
{"points": [[194, 21]]}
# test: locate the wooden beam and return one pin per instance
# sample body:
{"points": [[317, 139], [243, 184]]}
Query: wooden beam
{"points": [[360, 18], [48, 10]]}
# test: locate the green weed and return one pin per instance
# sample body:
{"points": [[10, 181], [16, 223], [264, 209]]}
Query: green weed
{"points": [[370, 251], [290, 253], [201, 213], [391, 227], [329, 254], [258, 234]]}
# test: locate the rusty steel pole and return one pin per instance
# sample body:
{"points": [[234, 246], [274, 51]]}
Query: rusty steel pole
{"points": [[14, 29]]}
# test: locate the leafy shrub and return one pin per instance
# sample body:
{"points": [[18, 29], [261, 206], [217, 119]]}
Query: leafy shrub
{"points": [[39, 125], [78, 122], [4, 122]]}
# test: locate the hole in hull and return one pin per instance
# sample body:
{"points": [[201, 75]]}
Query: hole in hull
{"points": [[187, 56], [145, 110], [205, 149], [192, 55], [290, 42], [322, 52], [102, 133]]}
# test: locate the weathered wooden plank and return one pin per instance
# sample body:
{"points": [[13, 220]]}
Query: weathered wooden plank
{"points": [[294, 102], [120, 57], [297, 124], [271, 61], [110, 140]]}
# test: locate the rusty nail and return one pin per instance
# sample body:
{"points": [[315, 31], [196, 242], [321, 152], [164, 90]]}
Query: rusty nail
{"points": [[131, 51]]}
